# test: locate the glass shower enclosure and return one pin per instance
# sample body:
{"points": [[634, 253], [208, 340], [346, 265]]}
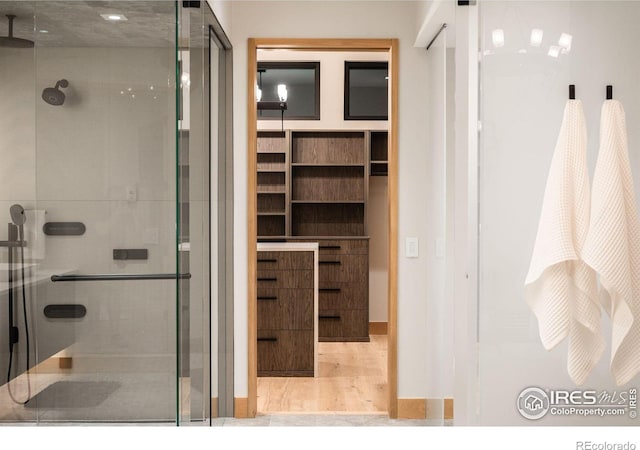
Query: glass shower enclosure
{"points": [[105, 209]]}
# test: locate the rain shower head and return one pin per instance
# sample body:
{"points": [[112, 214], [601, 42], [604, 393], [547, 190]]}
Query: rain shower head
{"points": [[53, 95], [11, 41]]}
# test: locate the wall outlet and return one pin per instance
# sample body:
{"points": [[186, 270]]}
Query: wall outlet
{"points": [[411, 249]]}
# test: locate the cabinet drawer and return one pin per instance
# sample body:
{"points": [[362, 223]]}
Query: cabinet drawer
{"points": [[343, 324], [285, 260], [343, 268], [285, 279], [343, 296], [285, 309], [344, 247], [285, 352]]}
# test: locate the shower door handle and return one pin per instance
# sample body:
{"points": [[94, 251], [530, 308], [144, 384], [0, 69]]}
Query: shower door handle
{"points": [[122, 277]]}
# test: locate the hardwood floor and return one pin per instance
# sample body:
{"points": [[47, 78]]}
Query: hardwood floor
{"points": [[352, 379]]}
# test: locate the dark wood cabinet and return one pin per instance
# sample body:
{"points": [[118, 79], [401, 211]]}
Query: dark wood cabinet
{"points": [[287, 311], [343, 303], [325, 176]]}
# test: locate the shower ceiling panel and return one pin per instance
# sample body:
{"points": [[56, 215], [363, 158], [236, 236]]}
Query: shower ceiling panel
{"points": [[79, 24]]}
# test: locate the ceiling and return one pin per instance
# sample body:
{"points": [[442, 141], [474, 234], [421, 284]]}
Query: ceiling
{"points": [[79, 24]]}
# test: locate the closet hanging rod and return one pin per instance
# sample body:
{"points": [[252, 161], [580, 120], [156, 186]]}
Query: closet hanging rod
{"points": [[444, 25], [609, 92], [572, 92]]}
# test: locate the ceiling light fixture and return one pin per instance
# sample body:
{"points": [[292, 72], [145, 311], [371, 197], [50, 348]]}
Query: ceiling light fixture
{"points": [[279, 105], [282, 92], [112, 17]]}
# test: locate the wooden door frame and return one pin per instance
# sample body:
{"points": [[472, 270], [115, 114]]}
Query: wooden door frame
{"points": [[391, 46]]}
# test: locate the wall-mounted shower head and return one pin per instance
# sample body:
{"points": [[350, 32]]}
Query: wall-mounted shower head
{"points": [[17, 214], [10, 40], [53, 95]]}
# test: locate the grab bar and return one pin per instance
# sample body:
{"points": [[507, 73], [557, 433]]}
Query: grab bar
{"points": [[120, 277]]}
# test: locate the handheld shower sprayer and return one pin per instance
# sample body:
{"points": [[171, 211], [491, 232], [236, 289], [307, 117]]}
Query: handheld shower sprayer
{"points": [[18, 219]]}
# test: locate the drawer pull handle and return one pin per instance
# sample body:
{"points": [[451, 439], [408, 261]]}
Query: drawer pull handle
{"points": [[267, 260], [333, 263], [268, 339], [268, 279], [330, 317], [330, 247], [268, 298], [329, 289]]}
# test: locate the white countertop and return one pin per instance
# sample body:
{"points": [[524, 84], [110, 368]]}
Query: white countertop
{"points": [[287, 246]]}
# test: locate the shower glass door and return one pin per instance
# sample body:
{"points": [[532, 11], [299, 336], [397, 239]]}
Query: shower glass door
{"points": [[96, 146]]}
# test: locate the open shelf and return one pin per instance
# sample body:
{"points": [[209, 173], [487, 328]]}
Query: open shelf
{"points": [[327, 219], [271, 225], [321, 147], [328, 183], [325, 165], [272, 142], [328, 202], [379, 154]]}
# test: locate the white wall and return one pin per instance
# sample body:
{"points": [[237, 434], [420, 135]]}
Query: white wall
{"points": [[376, 19], [331, 90], [523, 101], [378, 223], [222, 11]]}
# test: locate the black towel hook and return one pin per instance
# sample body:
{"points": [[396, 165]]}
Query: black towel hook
{"points": [[609, 92], [572, 92]]}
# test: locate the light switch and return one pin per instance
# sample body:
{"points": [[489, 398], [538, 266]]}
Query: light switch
{"points": [[411, 247]]}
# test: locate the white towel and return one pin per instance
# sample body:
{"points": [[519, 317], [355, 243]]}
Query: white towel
{"points": [[613, 243], [560, 289]]}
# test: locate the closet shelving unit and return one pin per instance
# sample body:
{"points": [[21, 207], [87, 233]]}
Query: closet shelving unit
{"points": [[273, 183], [329, 183], [313, 186], [379, 158]]}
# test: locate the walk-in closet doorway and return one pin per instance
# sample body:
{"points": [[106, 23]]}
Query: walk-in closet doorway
{"points": [[353, 248]]}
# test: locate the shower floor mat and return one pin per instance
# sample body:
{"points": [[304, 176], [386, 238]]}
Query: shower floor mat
{"points": [[73, 394]]}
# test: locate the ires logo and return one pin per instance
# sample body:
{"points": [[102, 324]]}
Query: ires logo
{"points": [[534, 403], [574, 398]]}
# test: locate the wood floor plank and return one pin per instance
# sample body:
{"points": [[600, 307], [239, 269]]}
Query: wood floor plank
{"points": [[352, 379]]}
